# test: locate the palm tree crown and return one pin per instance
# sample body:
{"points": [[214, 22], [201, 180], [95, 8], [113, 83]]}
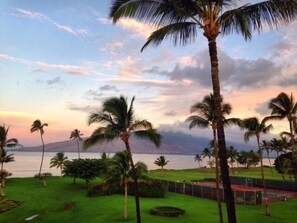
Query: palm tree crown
{"points": [[4, 142], [58, 161]]}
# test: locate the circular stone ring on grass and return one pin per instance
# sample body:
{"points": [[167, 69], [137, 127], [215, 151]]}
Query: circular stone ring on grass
{"points": [[167, 211]]}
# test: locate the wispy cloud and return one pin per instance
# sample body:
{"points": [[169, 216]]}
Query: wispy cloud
{"points": [[7, 57], [43, 18], [140, 29]]}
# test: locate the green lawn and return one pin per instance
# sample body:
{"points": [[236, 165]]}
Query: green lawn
{"points": [[64, 202], [201, 173]]}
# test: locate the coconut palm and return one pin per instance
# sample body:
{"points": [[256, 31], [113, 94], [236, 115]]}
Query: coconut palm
{"points": [[284, 106], [117, 120], [76, 135], [255, 128], [205, 119], [279, 146], [4, 141], [161, 161], [180, 21], [265, 146], [58, 161], [198, 159], [232, 155], [37, 126], [119, 171]]}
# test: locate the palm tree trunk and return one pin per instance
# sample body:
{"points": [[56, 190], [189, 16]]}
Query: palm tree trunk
{"points": [[217, 175], [126, 198], [135, 182], [42, 155], [269, 162], [261, 163], [78, 148], [220, 129]]}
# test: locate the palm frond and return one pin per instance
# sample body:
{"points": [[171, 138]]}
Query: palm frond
{"points": [[234, 121], [140, 125], [252, 17], [248, 134], [181, 33], [100, 135], [151, 135], [197, 121]]}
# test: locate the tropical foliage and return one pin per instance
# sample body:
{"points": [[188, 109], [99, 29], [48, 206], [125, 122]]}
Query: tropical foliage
{"points": [[161, 161], [37, 126], [76, 135], [117, 120], [58, 161]]}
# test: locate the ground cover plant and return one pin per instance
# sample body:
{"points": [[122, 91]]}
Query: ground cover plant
{"points": [[62, 201]]}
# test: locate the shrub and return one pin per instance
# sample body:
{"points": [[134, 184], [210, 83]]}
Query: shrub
{"points": [[4, 174], [42, 175], [152, 189], [167, 211], [103, 189]]}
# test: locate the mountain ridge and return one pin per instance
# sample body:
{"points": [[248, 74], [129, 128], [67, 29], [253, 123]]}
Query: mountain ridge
{"points": [[172, 143]]}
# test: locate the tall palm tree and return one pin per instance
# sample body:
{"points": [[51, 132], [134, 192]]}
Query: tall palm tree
{"points": [[284, 106], [37, 126], [198, 159], [265, 146], [180, 20], [256, 128], [205, 119], [76, 135], [119, 171], [117, 120], [161, 161], [58, 161]]}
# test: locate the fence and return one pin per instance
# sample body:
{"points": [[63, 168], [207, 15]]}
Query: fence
{"points": [[273, 184], [209, 192]]}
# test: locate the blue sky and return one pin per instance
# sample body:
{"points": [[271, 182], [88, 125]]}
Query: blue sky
{"points": [[59, 61]]}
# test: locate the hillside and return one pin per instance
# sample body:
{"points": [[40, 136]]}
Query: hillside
{"points": [[172, 143]]}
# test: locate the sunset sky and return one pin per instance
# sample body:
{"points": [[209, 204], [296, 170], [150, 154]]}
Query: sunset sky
{"points": [[60, 59]]}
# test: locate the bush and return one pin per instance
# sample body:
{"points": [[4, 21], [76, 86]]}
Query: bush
{"points": [[151, 189], [4, 174], [103, 189], [167, 211], [42, 175]]}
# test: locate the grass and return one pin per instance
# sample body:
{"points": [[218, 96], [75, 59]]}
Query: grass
{"points": [[188, 175], [64, 202]]}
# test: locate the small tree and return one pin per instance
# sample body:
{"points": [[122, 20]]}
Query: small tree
{"points": [[198, 159], [161, 161], [248, 158], [58, 161]]}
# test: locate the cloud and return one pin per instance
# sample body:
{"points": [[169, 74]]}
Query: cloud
{"points": [[108, 87], [56, 80], [7, 57], [138, 28], [68, 69], [170, 113], [43, 18]]}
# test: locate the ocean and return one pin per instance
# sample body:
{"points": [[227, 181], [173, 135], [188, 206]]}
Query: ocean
{"points": [[27, 163]]}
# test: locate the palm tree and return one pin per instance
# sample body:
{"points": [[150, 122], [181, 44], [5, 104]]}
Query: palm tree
{"points": [[198, 159], [4, 158], [266, 146], [161, 161], [232, 155], [118, 120], [76, 135], [180, 20], [256, 128], [284, 106], [58, 161], [205, 119], [37, 126], [4, 142], [119, 171], [279, 145]]}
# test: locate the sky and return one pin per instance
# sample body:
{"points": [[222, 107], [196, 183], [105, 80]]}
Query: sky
{"points": [[59, 60]]}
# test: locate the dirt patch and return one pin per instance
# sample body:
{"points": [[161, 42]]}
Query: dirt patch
{"points": [[68, 206], [8, 204]]}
